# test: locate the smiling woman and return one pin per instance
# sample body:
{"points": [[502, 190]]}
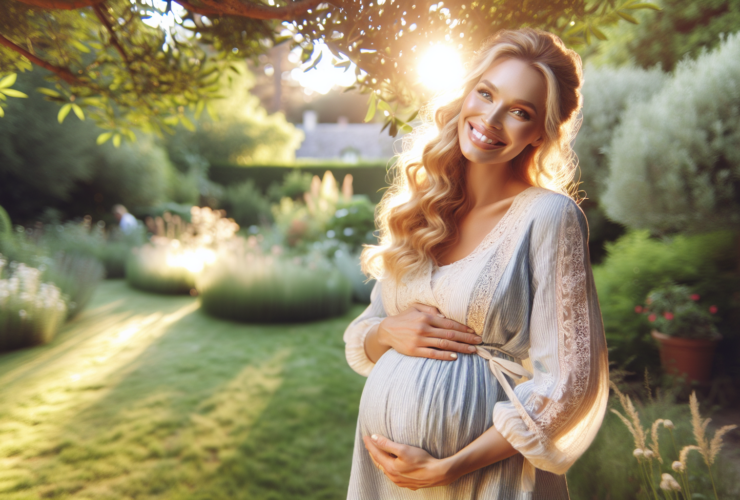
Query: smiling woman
{"points": [[483, 267]]}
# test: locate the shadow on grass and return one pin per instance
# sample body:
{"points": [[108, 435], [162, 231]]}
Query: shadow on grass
{"points": [[146, 397]]}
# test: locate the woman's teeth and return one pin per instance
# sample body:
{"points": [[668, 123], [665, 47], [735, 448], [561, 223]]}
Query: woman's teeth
{"points": [[482, 137]]}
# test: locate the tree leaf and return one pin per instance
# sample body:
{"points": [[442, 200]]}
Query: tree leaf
{"points": [[371, 107], [13, 93], [641, 5], [116, 140], [103, 138], [187, 123], [384, 106], [597, 33], [393, 131], [2, 112], [199, 109], [78, 112], [49, 92], [627, 17], [79, 45], [171, 120], [313, 65], [64, 112], [8, 81], [411, 118]]}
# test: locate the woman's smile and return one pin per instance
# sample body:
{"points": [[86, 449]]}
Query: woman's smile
{"points": [[484, 139]]}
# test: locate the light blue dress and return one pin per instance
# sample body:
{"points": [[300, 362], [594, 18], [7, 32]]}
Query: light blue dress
{"points": [[528, 290]]}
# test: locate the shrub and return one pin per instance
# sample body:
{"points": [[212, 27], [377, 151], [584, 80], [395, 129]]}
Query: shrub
{"points": [[293, 185], [77, 276], [674, 163], [245, 204], [606, 93], [244, 285], [31, 311], [353, 222], [161, 268], [178, 251], [636, 263], [5, 226], [348, 263]]}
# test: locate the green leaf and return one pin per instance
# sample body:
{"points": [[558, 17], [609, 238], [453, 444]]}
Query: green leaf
{"points": [[103, 138], [116, 140], [313, 65], [78, 112], [187, 123], [2, 112], [627, 17], [640, 5], [385, 126], [8, 81], [384, 106], [211, 111], [171, 120], [393, 131], [199, 109], [13, 93], [411, 118], [64, 112], [597, 33], [80, 46], [49, 92], [371, 107], [406, 128]]}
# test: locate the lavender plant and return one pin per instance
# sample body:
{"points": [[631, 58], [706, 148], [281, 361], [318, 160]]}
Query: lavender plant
{"points": [[31, 311]]}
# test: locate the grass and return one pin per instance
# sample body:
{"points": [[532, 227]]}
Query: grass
{"points": [[144, 396]]}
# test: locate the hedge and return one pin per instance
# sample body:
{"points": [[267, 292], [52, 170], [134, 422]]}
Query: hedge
{"points": [[368, 178]]}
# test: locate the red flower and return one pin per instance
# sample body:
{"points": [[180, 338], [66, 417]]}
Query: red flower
{"points": [[651, 318], [713, 309], [668, 315], [638, 309], [695, 297]]}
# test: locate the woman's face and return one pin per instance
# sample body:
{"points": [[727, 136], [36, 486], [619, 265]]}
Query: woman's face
{"points": [[503, 113]]}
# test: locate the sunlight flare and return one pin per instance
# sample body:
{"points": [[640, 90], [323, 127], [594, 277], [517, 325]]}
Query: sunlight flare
{"points": [[441, 68]]}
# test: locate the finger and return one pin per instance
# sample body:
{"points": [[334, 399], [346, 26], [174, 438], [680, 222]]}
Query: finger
{"points": [[447, 345], [427, 352], [427, 309], [451, 335], [449, 324], [389, 446], [384, 461]]}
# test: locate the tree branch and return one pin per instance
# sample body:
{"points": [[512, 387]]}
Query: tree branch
{"points": [[63, 73], [113, 38], [253, 10], [61, 4]]}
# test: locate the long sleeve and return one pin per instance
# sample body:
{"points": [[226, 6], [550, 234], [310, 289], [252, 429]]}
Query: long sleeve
{"points": [[354, 335], [559, 410]]}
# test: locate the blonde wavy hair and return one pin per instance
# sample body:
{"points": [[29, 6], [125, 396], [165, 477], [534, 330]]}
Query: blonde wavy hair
{"points": [[419, 214]]}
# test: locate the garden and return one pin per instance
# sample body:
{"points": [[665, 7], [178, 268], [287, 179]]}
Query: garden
{"points": [[174, 287]]}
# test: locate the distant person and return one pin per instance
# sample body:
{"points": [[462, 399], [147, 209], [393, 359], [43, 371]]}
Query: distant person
{"points": [[126, 221]]}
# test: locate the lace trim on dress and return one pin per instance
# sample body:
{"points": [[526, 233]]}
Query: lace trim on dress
{"points": [[488, 280], [574, 347]]}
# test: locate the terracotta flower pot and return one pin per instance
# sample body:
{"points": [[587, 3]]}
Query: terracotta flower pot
{"points": [[691, 358]]}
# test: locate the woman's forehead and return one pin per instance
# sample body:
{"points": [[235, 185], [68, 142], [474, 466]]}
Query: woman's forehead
{"points": [[516, 79]]}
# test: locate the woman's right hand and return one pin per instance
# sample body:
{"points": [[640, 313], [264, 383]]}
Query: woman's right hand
{"points": [[421, 331]]}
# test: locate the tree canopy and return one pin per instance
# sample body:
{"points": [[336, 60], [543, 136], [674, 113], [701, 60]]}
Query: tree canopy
{"points": [[140, 64]]}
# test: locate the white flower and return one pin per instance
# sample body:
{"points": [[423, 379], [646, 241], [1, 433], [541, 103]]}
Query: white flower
{"points": [[638, 452], [668, 424], [678, 466], [669, 483], [649, 454]]}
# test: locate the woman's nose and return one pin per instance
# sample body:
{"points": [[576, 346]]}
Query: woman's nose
{"points": [[493, 117]]}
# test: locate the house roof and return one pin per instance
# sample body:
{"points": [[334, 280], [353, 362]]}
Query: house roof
{"points": [[332, 140]]}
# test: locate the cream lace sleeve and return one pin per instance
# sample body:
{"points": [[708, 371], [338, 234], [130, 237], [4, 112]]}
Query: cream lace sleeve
{"points": [[354, 335], [563, 405]]}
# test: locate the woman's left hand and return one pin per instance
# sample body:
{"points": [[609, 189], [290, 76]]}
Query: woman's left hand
{"points": [[408, 466]]}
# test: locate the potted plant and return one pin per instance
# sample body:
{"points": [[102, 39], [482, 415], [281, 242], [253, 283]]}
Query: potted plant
{"points": [[684, 330]]}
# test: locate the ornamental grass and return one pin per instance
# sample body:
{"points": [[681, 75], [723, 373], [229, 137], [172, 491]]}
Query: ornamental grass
{"points": [[31, 311], [245, 285]]}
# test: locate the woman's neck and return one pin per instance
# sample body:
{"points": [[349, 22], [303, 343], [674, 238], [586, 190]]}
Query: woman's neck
{"points": [[487, 184]]}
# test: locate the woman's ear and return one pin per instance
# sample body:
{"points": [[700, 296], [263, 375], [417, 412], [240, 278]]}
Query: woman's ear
{"points": [[538, 141]]}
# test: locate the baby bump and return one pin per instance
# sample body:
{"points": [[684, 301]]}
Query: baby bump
{"points": [[440, 406]]}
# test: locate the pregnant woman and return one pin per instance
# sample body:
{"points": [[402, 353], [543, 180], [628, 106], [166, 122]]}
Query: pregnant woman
{"points": [[483, 343]]}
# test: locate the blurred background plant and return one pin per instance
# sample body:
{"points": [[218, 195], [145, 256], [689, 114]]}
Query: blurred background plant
{"points": [[31, 311], [246, 284], [674, 310]]}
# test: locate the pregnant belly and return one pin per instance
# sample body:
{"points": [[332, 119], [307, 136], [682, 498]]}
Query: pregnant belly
{"points": [[440, 406]]}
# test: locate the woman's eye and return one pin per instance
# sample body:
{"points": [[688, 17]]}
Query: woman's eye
{"points": [[523, 114], [482, 92]]}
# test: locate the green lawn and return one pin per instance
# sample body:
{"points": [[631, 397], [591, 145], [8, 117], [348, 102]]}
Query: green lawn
{"points": [[144, 396]]}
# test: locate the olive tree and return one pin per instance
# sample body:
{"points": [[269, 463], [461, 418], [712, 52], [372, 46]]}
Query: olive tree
{"points": [[674, 161]]}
